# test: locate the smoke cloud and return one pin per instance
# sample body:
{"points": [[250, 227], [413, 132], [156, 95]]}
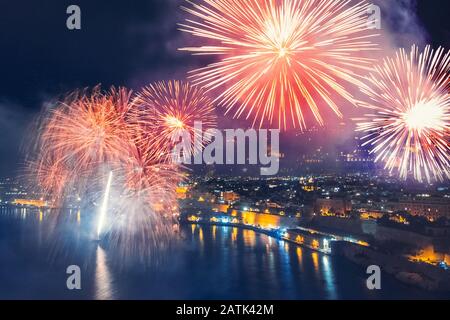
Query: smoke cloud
{"points": [[401, 23]]}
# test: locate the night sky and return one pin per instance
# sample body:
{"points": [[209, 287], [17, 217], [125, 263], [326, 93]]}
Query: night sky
{"points": [[127, 43]]}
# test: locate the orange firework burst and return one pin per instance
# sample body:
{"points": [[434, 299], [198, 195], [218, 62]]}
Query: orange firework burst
{"points": [[92, 136], [144, 212], [87, 130], [89, 133], [51, 176], [278, 56], [166, 111], [78, 136], [410, 123]]}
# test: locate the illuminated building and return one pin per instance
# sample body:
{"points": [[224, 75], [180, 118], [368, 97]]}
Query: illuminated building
{"points": [[359, 159], [223, 208], [182, 192], [430, 255], [309, 188], [230, 196], [372, 214], [332, 207], [431, 208], [30, 203]]}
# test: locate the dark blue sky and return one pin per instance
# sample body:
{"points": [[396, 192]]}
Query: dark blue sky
{"points": [[127, 43]]}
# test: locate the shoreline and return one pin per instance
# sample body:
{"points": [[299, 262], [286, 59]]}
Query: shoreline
{"points": [[271, 233]]}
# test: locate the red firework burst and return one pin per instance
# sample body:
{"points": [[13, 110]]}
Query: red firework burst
{"points": [[279, 58], [167, 111]]}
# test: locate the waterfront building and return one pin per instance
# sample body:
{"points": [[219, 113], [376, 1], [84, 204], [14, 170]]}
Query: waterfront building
{"points": [[332, 206]]}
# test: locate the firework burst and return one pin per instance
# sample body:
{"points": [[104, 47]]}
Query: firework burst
{"points": [[410, 124], [142, 210], [76, 140], [152, 181], [279, 58], [89, 135], [166, 111]]}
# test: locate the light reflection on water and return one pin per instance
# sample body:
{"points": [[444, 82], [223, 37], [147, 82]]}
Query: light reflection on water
{"points": [[214, 231], [315, 259], [300, 257], [234, 234], [206, 263], [249, 238], [329, 277]]}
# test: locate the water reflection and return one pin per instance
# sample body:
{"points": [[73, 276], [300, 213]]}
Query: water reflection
{"points": [[206, 263], [214, 231], [234, 234], [287, 270], [315, 259], [249, 238], [329, 278], [103, 283]]}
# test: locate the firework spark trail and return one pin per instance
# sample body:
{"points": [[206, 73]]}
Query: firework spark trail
{"points": [[410, 124], [166, 110], [104, 207], [278, 57]]}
